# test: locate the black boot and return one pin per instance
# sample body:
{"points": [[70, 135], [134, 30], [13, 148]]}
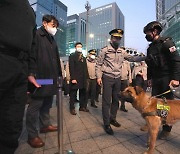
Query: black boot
{"points": [[108, 129], [165, 132], [93, 104], [122, 108]]}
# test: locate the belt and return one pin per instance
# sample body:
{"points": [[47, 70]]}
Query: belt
{"points": [[19, 54]]}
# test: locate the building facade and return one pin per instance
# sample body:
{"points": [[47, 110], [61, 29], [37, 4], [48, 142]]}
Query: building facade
{"points": [[71, 33], [101, 20], [59, 10], [170, 19]]}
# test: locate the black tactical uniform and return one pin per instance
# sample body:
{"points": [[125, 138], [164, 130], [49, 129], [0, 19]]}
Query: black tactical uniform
{"points": [[16, 35], [163, 66]]}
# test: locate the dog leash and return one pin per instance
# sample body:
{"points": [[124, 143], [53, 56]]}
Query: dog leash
{"points": [[166, 92]]}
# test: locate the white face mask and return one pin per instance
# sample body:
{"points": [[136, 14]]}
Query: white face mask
{"points": [[92, 56], [51, 30], [79, 49]]}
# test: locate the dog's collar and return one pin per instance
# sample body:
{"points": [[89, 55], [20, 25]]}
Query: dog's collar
{"points": [[153, 113]]}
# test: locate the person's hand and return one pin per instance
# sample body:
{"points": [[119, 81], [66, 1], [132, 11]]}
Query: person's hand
{"points": [[149, 83], [74, 81], [99, 81], [174, 83], [33, 81]]}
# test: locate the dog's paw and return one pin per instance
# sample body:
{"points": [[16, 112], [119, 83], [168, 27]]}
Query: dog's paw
{"points": [[148, 152], [147, 144]]}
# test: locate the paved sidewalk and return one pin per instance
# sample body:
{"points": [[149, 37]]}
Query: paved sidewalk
{"points": [[83, 133]]}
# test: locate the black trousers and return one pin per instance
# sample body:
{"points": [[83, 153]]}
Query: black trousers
{"points": [[139, 81], [91, 90], [13, 97], [98, 91], [82, 98], [124, 84], [159, 86], [38, 115], [111, 88]]}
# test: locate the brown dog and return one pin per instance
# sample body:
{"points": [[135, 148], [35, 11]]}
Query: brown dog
{"points": [[147, 106]]}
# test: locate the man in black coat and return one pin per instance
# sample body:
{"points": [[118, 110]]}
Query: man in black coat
{"points": [[78, 78], [17, 29], [48, 67]]}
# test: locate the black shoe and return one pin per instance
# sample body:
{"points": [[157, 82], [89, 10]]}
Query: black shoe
{"points": [[73, 112], [96, 100], [76, 100], [123, 109], [108, 129], [83, 109], [115, 123], [164, 135], [93, 105]]}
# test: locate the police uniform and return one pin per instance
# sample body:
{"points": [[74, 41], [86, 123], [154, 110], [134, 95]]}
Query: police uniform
{"points": [[16, 36], [108, 68], [126, 78], [91, 82], [163, 63]]}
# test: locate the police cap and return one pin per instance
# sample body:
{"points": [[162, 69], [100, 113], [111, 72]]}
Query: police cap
{"points": [[116, 32], [153, 25], [92, 51]]}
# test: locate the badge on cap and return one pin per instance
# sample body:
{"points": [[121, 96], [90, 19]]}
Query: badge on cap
{"points": [[116, 32], [172, 49]]}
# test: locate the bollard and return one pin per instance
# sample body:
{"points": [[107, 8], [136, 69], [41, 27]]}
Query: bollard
{"points": [[60, 114]]}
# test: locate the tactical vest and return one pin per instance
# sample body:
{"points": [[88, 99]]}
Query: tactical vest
{"points": [[156, 56]]}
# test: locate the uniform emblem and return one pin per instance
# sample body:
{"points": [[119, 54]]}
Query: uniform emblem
{"points": [[172, 49]]}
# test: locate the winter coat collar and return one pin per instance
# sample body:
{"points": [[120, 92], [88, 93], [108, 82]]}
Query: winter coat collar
{"points": [[43, 32]]}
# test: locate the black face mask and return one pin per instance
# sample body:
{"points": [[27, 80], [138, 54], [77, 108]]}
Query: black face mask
{"points": [[115, 44], [149, 38]]}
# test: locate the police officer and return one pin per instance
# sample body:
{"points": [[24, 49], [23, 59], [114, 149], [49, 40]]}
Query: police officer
{"points": [[16, 36], [108, 72], [91, 82], [163, 65]]}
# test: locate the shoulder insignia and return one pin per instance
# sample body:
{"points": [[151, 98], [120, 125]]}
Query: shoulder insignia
{"points": [[172, 49]]}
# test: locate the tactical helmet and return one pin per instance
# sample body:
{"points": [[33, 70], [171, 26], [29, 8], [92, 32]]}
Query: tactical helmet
{"points": [[153, 25]]}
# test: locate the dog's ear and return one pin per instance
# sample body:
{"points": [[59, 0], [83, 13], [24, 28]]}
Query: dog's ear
{"points": [[138, 90]]}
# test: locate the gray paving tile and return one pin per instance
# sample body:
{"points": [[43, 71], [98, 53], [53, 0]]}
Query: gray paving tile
{"points": [[79, 135], [176, 128], [55, 149], [105, 141], [116, 149], [170, 147], [124, 135], [136, 130], [25, 148], [74, 124], [85, 146], [97, 131], [144, 138], [138, 120], [90, 122], [51, 142], [97, 152], [128, 124], [135, 145]]}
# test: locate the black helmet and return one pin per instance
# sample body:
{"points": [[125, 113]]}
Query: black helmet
{"points": [[153, 25]]}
